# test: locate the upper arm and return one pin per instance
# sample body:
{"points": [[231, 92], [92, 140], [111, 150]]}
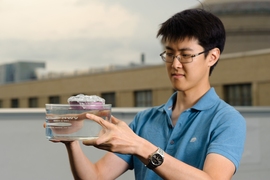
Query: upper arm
{"points": [[111, 166], [218, 167]]}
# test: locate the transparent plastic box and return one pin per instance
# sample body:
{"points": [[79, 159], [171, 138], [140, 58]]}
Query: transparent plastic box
{"points": [[68, 122]]}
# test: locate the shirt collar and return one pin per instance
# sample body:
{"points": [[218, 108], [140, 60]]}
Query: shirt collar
{"points": [[206, 102]]}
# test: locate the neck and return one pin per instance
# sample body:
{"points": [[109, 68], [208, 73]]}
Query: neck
{"points": [[185, 100]]}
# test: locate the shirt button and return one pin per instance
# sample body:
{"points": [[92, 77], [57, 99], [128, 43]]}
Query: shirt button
{"points": [[172, 142]]}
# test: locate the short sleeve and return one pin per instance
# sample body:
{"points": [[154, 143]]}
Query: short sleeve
{"points": [[228, 137]]}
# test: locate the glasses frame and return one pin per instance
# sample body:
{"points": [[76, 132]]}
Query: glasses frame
{"points": [[179, 57]]}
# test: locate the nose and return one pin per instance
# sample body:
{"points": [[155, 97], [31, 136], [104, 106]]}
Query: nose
{"points": [[176, 63]]}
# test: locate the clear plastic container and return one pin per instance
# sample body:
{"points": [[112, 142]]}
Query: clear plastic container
{"points": [[68, 122]]}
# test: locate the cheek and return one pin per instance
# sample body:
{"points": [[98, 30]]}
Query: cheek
{"points": [[193, 70], [199, 71], [168, 68]]}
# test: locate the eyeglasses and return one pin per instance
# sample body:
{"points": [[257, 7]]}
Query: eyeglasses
{"points": [[182, 58]]}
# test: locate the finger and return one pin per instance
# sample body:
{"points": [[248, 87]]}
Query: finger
{"points": [[104, 147], [99, 120], [44, 125], [103, 113], [100, 113], [90, 142], [114, 120], [55, 141]]}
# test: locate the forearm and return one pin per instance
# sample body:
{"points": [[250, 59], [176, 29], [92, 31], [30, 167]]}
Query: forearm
{"points": [[81, 167], [175, 169], [216, 167]]}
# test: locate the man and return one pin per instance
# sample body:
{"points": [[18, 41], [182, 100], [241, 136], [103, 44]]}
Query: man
{"points": [[195, 135]]}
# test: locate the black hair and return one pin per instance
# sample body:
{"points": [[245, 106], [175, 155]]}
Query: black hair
{"points": [[195, 23]]}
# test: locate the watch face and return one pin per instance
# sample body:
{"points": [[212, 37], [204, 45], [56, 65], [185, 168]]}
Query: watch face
{"points": [[157, 159]]}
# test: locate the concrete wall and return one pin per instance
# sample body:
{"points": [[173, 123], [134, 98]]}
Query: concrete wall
{"points": [[27, 154]]}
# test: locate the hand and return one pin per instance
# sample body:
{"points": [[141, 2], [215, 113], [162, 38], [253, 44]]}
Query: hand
{"points": [[115, 137]]}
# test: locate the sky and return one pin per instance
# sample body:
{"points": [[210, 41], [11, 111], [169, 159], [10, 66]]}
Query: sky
{"points": [[71, 35]]}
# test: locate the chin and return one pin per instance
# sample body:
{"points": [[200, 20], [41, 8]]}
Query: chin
{"points": [[181, 89], [177, 89]]}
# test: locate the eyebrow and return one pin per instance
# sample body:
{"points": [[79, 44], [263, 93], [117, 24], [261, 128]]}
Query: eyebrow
{"points": [[182, 49]]}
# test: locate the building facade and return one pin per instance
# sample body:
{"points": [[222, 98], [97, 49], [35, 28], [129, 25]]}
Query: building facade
{"points": [[241, 79]]}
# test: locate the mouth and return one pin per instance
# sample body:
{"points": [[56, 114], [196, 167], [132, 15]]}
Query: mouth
{"points": [[177, 75]]}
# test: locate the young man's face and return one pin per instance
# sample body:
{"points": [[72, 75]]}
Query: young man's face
{"points": [[188, 76]]}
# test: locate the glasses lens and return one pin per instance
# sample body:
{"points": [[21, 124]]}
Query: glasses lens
{"points": [[185, 58], [181, 58], [163, 57]]}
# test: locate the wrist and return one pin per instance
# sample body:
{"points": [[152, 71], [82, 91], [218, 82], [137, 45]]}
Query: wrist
{"points": [[71, 144], [144, 149], [155, 159]]}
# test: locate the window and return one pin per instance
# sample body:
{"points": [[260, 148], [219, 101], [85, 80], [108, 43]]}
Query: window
{"points": [[238, 94], [14, 103], [109, 98], [54, 99], [143, 98], [33, 102]]}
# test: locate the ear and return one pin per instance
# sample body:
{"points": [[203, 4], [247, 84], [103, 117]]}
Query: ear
{"points": [[213, 55]]}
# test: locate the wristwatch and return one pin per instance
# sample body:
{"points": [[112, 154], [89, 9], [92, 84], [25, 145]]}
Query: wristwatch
{"points": [[156, 159]]}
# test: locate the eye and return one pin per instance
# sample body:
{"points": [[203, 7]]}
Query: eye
{"points": [[169, 54], [185, 56]]}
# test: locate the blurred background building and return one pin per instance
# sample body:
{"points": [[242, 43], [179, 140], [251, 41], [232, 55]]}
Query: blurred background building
{"points": [[246, 21], [19, 71], [241, 78]]}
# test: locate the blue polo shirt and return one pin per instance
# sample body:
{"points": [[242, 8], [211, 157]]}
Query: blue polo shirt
{"points": [[210, 126]]}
